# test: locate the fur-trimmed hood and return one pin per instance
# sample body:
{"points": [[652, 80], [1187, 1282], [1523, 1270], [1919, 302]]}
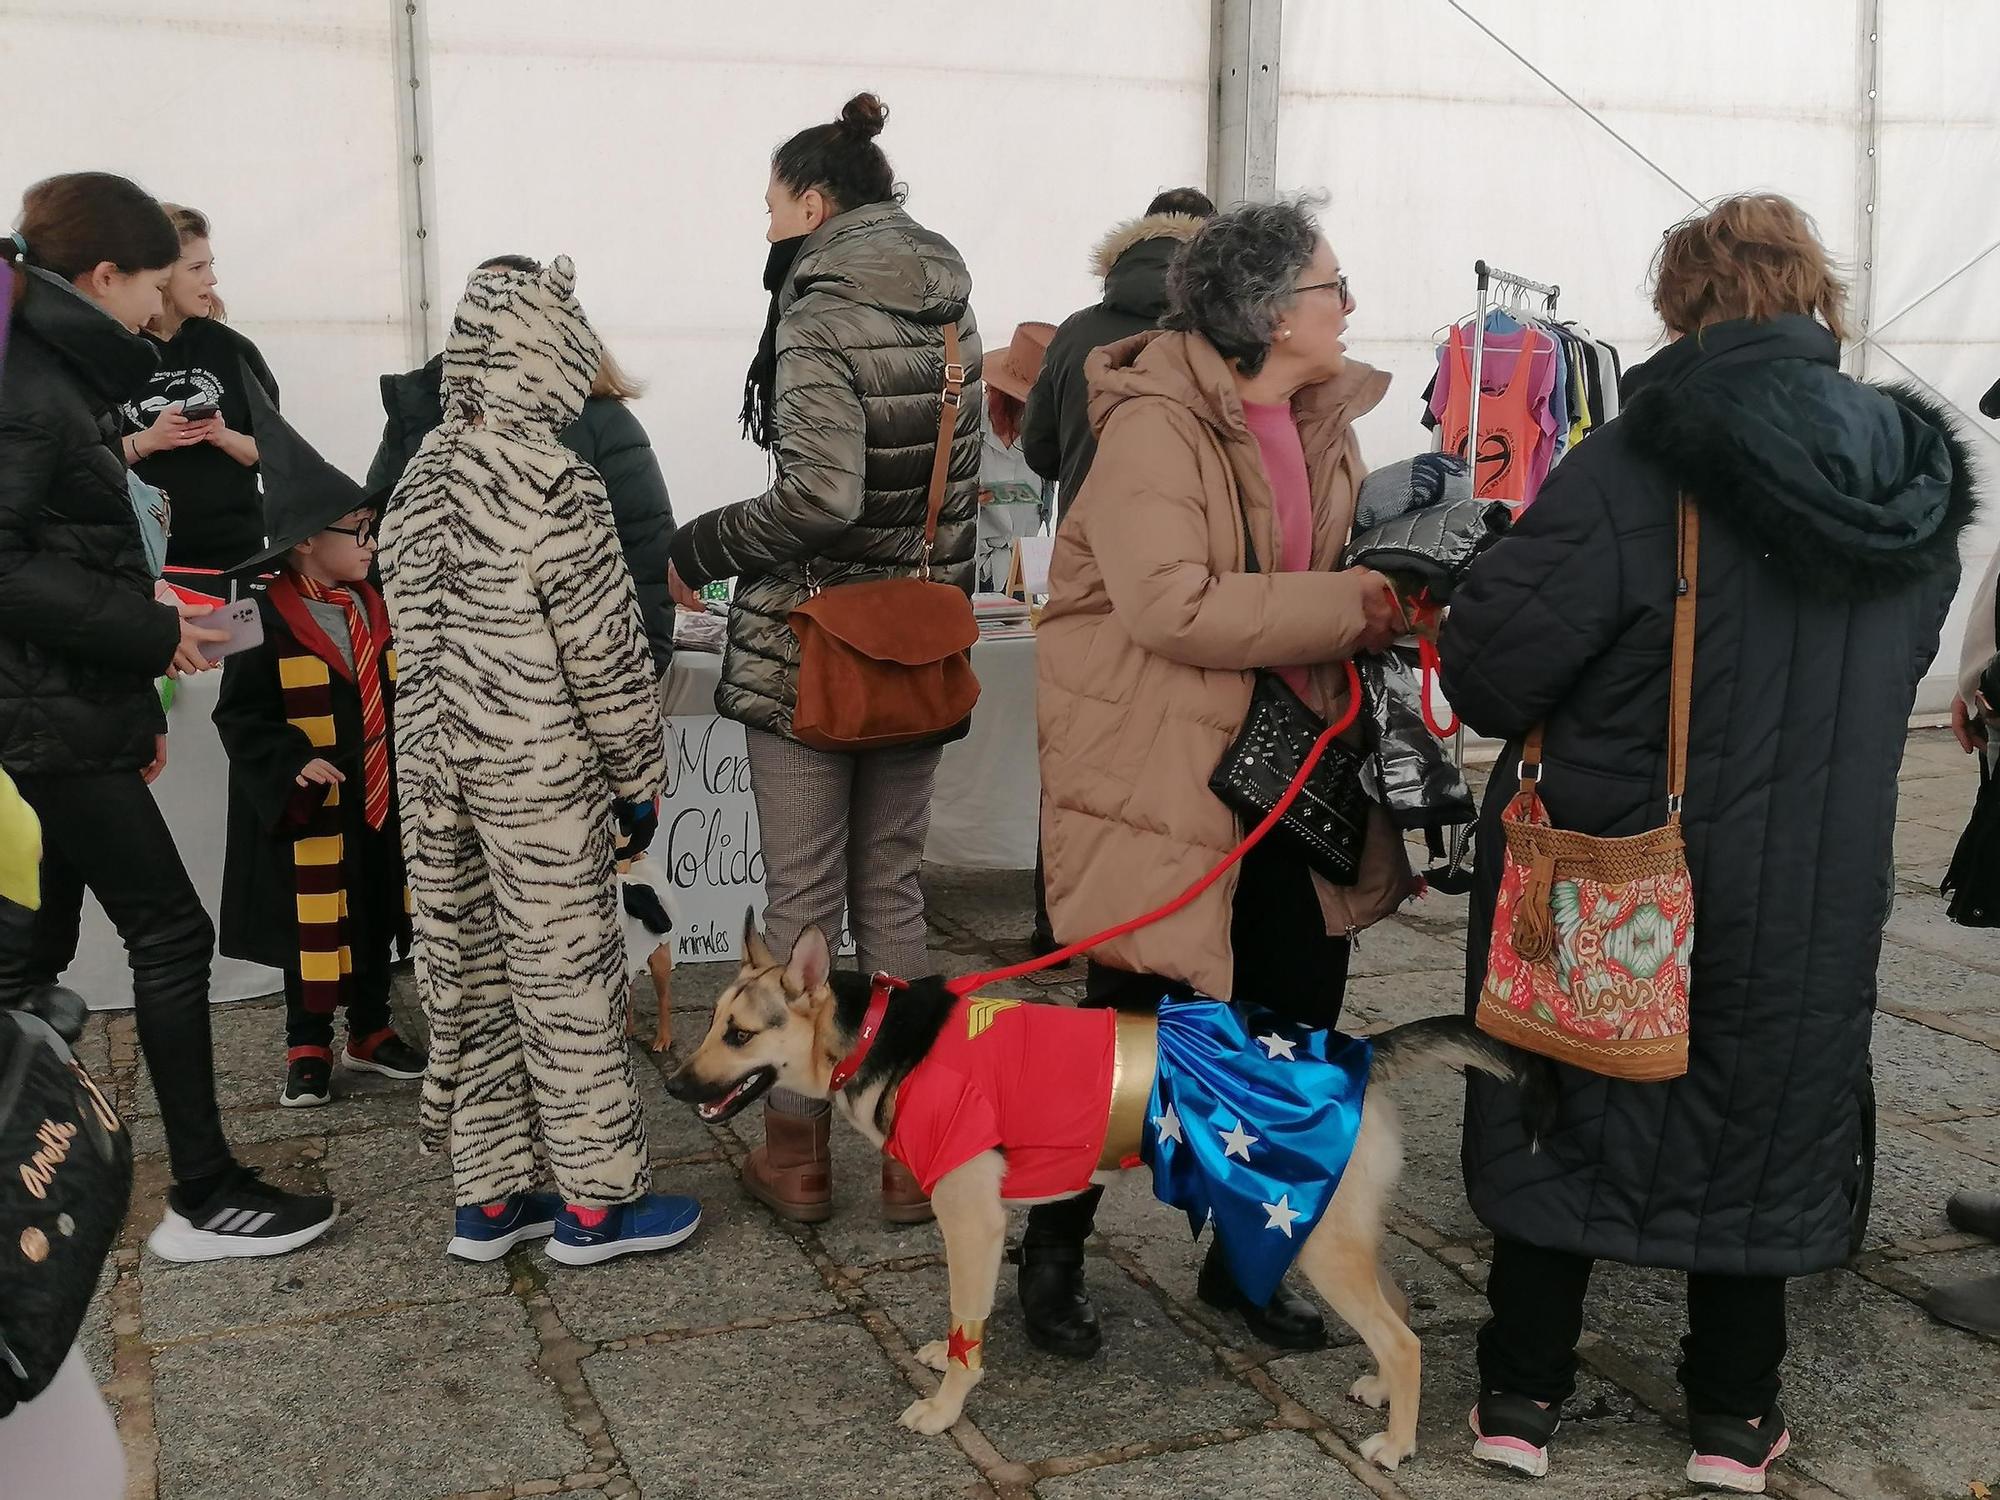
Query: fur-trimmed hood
{"points": [[1853, 490], [1132, 260]]}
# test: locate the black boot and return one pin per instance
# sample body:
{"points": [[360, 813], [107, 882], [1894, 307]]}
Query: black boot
{"points": [[1287, 1321], [1055, 1306]]}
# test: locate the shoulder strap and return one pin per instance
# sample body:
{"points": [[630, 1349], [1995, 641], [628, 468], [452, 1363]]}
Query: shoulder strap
{"points": [[950, 397], [1681, 685], [1683, 662]]}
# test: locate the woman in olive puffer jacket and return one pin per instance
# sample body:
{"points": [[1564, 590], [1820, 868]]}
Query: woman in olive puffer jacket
{"points": [[845, 394]]}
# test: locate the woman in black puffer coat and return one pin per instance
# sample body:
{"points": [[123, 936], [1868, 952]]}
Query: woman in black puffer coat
{"points": [[1830, 513], [82, 642]]}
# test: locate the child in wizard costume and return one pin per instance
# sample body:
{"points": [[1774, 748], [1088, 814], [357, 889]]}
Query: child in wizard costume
{"points": [[313, 877]]}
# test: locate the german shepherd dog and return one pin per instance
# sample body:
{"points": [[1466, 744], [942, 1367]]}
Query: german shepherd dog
{"points": [[791, 1022]]}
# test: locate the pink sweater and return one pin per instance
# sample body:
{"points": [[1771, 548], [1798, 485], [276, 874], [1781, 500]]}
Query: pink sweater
{"points": [[1284, 456]]}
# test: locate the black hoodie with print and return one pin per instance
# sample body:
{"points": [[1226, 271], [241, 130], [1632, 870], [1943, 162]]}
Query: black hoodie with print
{"points": [[217, 516]]}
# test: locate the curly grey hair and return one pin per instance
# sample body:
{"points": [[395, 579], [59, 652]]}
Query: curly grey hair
{"points": [[1232, 280]]}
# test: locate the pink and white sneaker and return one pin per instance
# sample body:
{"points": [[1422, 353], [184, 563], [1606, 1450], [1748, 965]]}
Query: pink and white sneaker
{"points": [[1513, 1432], [1731, 1453]]}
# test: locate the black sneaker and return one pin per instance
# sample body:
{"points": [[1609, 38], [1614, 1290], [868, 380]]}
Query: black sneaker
{"points": [[243, 1218], [387, 1054], [308, 1082], [1513, 1432], [1731, 1454]]}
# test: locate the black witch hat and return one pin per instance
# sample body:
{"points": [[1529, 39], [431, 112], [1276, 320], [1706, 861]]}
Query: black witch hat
{"points": [[303, 493]]}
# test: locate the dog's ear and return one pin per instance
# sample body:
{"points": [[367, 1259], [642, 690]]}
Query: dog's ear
{"points": [[811, 962], [756, 953]]}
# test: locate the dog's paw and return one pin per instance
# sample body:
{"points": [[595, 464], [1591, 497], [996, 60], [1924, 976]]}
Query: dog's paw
{"points": [[1371, 1390], [930, 1416], [934, 1355], [1385, 1452]]}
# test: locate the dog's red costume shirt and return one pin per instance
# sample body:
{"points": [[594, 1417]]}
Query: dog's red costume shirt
{"points": [[1031, 1081]]}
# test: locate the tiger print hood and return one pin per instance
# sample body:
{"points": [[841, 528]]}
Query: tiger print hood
{"points": [[521, 351]]}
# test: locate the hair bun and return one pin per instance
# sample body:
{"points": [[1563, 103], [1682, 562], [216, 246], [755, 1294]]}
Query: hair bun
{"points": [[865, 115]]}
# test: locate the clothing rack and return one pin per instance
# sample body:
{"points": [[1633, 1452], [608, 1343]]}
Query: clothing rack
{"points": [[1514, 292]]}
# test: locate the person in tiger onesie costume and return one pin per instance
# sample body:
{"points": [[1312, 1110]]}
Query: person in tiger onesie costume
{"points": [[528, 724]]}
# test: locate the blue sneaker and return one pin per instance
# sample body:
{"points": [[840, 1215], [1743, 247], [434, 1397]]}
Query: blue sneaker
{"points": [[479, 1235], [658, 1221]]}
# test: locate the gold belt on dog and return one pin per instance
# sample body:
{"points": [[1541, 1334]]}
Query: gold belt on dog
{"points": [[1134, 1058]]}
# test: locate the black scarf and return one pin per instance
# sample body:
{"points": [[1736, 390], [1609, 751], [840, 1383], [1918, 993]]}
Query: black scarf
{"points": [[761, 383]]}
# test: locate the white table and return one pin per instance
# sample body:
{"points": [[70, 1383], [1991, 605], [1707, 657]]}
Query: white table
{"points": [[984, 808], [193, 793]]}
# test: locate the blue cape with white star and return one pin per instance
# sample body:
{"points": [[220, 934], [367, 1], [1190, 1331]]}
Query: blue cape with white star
{"points": [[1253, 1120]]}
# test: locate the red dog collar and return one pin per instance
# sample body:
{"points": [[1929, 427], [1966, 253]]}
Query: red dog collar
{"points": [[882, 986]]}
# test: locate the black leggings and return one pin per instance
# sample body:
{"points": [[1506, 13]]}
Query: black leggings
{"points": [[105, 833], [1730, 1357], [1284, 961]]}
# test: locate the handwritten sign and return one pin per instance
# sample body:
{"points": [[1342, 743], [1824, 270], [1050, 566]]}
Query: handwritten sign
{"points": [[709, 844]]}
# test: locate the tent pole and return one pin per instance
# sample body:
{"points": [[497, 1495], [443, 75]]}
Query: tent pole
{"points": [[1243, 104], [410, 39], [1868, 178]]}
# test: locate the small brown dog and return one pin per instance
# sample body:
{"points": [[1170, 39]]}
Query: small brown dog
{"points": [[814, 1031]]}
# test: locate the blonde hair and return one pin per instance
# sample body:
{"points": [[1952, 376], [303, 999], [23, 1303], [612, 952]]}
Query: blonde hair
{"points": [[192, 224], [1756, 256], [612, 380]]}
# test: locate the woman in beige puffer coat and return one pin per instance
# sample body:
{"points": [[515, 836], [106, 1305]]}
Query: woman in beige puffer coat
{"points": [[1241, 415]]}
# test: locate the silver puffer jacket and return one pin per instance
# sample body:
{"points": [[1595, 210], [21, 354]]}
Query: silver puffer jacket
{"points": [[860, 368]]}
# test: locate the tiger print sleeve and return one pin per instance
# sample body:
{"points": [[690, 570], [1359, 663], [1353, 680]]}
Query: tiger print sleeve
{"points": [[586, 591]]}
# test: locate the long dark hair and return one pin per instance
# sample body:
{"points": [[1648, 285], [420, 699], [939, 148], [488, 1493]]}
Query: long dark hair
{"points": [[841, 158], [77, 221]]}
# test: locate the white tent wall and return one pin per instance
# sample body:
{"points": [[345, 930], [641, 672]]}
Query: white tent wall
{"points": [[1438, 144], [640, 144], [634, 135], [278, 122], [1937, 265]]}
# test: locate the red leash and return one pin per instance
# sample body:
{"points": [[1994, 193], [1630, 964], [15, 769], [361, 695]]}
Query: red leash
{"points": [[965, 984]]}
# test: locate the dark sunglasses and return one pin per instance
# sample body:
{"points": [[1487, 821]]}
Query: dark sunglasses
{"points": [[1338, 284]]}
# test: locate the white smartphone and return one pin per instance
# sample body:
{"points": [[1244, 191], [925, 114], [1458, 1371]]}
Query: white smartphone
{"points": [[244, 624]]}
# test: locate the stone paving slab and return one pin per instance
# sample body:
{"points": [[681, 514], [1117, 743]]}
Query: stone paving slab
{"points": [[1922, 1072], [772, 1360], [387, 1249], [737, 1268], [1151, 1380], [1914, 1178], [808, 1409], [1269, 1466], [1885, 1403], [1611, 1447], [426, 1402]]}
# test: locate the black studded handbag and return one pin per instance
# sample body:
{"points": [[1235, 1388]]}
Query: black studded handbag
{"points": [[1327, 822]]}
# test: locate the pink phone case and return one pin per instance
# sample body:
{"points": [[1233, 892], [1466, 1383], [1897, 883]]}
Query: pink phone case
{"points": [[244, 624]]}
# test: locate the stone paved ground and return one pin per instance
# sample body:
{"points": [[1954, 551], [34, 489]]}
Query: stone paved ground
{"points": [[769, 1361]]}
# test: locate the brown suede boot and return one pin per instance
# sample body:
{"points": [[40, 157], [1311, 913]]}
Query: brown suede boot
{"points": [[792, 1172], [903, 1200]]}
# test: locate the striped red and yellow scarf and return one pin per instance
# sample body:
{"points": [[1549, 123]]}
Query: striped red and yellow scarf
{"points": [[305, 674]]}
